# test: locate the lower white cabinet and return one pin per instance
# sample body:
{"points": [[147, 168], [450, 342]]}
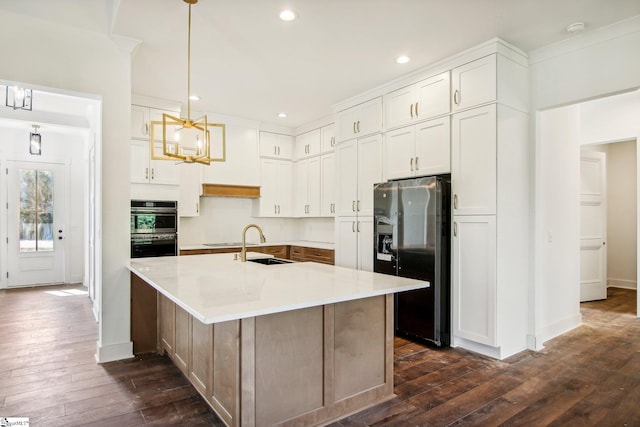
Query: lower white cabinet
{"points": [[306, 179], [190, 188], [145, 170], [328, 185], [474, 278], [354, 242], [276, 188]]}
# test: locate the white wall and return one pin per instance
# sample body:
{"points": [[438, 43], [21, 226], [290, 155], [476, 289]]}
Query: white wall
{"points": [[50, 55], [592, 65], [222, 219], [58, 147], [621, 215]]}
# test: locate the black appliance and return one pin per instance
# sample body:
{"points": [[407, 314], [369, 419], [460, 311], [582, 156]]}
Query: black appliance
{"points": [[154, 228], [412, 239]]}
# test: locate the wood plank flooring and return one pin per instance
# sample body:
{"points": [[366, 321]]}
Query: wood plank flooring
{"points": [[589, 376]]}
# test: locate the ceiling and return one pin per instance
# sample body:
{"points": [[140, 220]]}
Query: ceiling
{"points": [[247, 62]]}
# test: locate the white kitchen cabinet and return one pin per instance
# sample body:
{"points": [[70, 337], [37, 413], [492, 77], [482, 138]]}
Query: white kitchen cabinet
{"points": [[359, 121], [190, 177], [241, 166], [307, 187], [474, 83], [328, 185], [275, 145], [354, 242], [308, 144], [146, 170], [141, 118], [359, 166], [421, 101], [418, 150], [276, 188], [327, 138], [473, 278], [474, 161]]}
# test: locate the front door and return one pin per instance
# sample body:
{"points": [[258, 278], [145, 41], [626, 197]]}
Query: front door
{"points": [[593, 230], [35, 223]]}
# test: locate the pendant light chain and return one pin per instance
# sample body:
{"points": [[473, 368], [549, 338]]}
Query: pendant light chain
{"points": [[189, 68]]}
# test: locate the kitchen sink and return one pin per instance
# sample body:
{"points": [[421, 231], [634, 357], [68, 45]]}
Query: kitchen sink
{"points": [[270, 261]]}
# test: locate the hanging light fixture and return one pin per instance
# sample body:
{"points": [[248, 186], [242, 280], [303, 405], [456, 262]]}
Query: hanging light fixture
{"points": [[35, 142], [186, 139], [18, 98]]}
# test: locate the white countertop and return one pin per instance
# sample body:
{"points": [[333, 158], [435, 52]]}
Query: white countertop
{"points": [[215, 288], [305, 243]]}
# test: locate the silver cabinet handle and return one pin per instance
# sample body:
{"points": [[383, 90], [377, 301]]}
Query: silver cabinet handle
{"points": [[278, 150], [146, 173], [411, 163], [455, 201], [455, 229], [353, 226], [455, 97], [278, 209], [275, 150], [197, 208], [416, 109], [358, 206], [358, 127], [353, 206], [411, 110], [417, 167], [146, 128], [333, 141], [153, 173], [358, 226], [275, 209], [354, 127]]}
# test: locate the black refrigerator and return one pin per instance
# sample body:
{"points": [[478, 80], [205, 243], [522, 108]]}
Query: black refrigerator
{"points": [[412, 239]]}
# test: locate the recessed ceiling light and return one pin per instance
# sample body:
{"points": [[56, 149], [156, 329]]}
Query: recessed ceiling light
{"points": [[287, 15], [282, 115], [403, 59], [194, 98], [576, 27]]}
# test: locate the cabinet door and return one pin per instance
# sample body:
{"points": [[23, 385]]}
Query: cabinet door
{"points": [[313, 187], [346, 242], [369, 118], [285, 188], [268, 144], [433, 147], [183, 345], [201, 356], [346, 124], [327, 173], [399, 149], [268, 187], [474, 278], [473, 161], [308, 144], [167, 323], [432, 96], [399, 107], [139, 122], [364, 229], [163, 171], [155, 115], [347, 177], [327, 138], [369, 172], [285, 146], [190, 177], [300, 187], [242, 160], [139, 167], [474, 83]]}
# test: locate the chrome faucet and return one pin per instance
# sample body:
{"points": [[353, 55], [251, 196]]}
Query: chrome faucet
{"points": [[243, 252]]}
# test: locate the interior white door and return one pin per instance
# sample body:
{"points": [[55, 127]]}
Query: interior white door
{"points": [[593, 230], [35, 223]]}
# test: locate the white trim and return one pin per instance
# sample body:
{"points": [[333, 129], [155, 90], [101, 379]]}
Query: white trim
{"points": [[476, 347], [622, 283], [112, 352], [558, 328]]}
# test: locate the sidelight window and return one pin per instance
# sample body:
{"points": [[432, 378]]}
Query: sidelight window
{"points": [[36, 210]]}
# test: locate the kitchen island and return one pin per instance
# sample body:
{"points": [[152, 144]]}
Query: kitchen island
{"points": [[290, 344]]}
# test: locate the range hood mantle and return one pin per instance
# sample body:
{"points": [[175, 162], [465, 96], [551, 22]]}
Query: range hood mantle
{"points": [[223, 190]]}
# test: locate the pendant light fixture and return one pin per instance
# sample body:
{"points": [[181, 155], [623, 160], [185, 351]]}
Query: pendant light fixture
{"points": [[186, 139], [18, 98], [35, 142]]}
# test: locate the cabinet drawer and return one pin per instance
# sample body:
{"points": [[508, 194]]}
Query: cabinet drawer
{"points": [[276, 251], [209, 251], [301, 254]]}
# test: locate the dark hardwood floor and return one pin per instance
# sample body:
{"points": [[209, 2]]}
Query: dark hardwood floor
{"points": [[589, 376]]}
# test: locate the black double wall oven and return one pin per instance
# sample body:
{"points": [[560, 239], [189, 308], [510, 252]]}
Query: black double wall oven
{"points": [[154, 228]]}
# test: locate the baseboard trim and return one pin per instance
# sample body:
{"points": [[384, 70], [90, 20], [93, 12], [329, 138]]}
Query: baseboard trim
{"points": [[622, 283], [558, 328], [113, 352]]}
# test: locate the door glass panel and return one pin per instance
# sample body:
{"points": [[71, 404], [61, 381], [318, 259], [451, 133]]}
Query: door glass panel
{"points": [[36, 210]]}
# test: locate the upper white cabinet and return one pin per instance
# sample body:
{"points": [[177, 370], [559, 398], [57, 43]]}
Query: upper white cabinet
{"points": [[146, 170], [473, 168], [362, 120], [275, 145], [474, 83], [306, 185], [141, 118], [422, 149], [327, 138], [276, 189], [308, 144], [426, 99], [241, 166]]}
